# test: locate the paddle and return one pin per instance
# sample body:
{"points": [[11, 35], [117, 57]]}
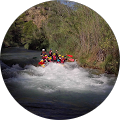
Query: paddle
{"points": [[69, 55]]}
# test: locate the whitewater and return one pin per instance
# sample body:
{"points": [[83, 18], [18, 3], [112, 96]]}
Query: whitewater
{"points": [[56, 77], [57, 91]]}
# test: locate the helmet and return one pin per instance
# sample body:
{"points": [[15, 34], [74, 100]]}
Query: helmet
{"points": [[53, 53], [42, 60], [45, 55], [43, 49], [62, 56], [59, 55], [50, 58]]}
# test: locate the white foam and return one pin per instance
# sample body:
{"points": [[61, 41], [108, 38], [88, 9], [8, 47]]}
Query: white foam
{"points": [[16, 67], [56, 77]]}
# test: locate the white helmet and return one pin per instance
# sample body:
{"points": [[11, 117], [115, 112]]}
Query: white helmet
{"points": [[43, 49]]}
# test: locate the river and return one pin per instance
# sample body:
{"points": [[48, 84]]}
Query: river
{"points": [[56, 91]]}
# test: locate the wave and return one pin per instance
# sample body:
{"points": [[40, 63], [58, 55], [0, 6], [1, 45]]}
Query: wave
{"points": [[56, 77]]}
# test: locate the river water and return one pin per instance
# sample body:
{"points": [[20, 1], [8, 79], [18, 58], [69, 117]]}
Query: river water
{"points": [[56, 91]]}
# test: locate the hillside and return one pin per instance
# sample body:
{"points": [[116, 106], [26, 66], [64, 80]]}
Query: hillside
{"points": [[35, 15], [78, 31]]}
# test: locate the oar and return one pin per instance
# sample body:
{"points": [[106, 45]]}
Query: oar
{"points": [[69, 55]]}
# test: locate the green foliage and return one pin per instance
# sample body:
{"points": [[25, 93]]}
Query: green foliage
{"points": [[111, 65], [33, 16], [78, 31], [13, 35], [27, 34], [108, 59], [26, 46], [81, 32], [34, 38], [82, 61], [41, 12], [22, 15]]}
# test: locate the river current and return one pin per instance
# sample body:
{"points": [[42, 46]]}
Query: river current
{"points": [[56, 91]]}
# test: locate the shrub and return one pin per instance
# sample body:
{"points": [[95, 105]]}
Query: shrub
{"points": [[26, 46]]}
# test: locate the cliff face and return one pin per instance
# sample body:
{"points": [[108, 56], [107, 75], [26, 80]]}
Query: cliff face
{"points": [[35, 15]]}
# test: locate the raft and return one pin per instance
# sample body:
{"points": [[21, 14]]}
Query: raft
{"points": [[71, 60], [41, 64], [44, 64]]}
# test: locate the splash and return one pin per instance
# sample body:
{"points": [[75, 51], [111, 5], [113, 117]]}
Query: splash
{"points": [[56, 77]]}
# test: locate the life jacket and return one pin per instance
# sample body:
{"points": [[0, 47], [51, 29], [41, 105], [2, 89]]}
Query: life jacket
{"points": [[58, 61], [49, 60], [43, 53], [50, 52], [62, 60], [54, 57], [44, 60], [43, 57]]}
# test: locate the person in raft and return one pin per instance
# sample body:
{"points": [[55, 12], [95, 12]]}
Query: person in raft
{"points": [[43, 53], [56, 54], [49, 59], [50, 53], [59, 57], [62, 59], [45, 58], [41, 62], [58, 61], [65, 58], [54, 59]]}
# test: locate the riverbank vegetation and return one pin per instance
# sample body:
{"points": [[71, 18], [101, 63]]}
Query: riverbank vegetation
{"points": [[77, 30]]}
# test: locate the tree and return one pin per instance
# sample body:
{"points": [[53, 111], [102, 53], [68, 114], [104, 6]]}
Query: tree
{"points": [[13, 36]]}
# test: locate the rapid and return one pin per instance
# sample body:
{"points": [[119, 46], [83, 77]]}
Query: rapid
{"points": [[57, 91]]}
